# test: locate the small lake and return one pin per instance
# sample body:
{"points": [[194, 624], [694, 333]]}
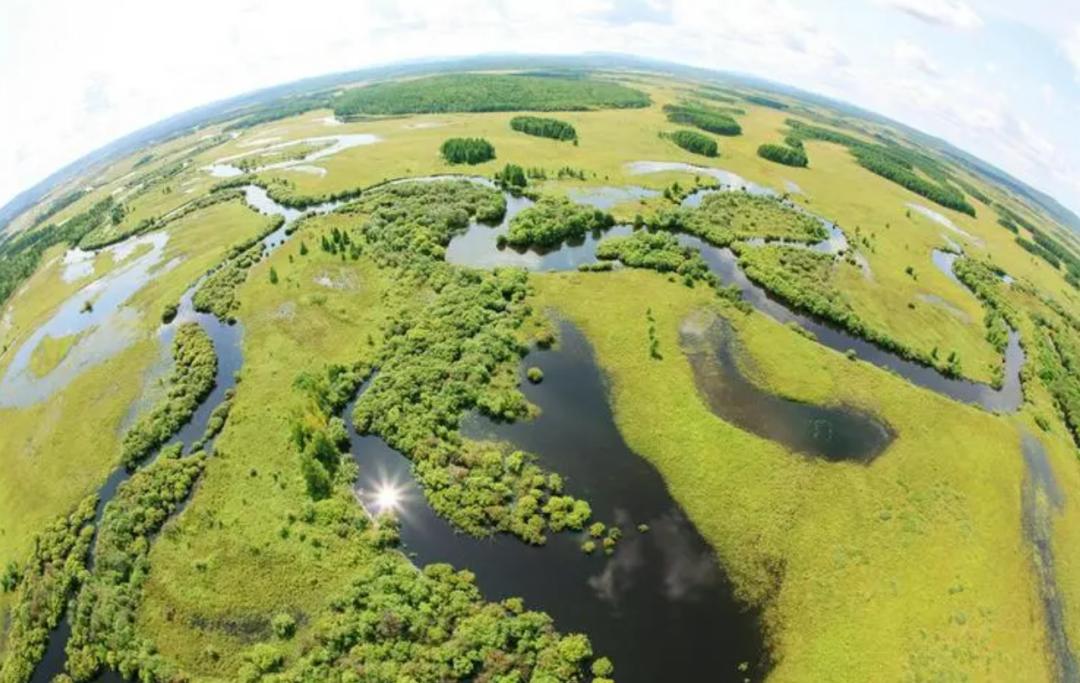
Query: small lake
{"points": [[834, 433], [660, 607]]}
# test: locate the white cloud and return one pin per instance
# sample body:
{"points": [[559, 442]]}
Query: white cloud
{"points": [[1070, 45], [951, 13], [911, 56], [70, 106]]}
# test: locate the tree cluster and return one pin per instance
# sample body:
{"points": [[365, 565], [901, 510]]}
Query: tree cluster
{"points": [[694, 142], [104, 611], [788, 155], [467, 151], [544, 127], [553, 220], [191, 380], [704, 117], [42, 589]]}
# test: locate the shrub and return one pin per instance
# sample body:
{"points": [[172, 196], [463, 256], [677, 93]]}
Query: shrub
{"points": [[535, 375], [284, 625]]}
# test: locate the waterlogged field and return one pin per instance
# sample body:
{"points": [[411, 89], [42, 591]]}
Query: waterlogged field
{"points": [[948, 553]]}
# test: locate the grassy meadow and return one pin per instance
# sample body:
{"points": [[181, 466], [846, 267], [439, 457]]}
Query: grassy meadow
{"points": [[912, 568]]}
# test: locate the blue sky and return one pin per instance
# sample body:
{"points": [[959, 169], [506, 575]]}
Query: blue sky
{"points": [[998, 78]]}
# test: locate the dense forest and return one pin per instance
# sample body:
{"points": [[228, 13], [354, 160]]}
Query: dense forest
{"points": [[486, 92], [695, 142], [703, 117], [544, 127], [467, 150]]}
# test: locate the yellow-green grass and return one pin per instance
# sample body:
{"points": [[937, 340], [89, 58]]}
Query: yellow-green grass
{"points": [[911, 568], [50, 352], [248, 572], [46, 289], [57, 451], [835, 187]]}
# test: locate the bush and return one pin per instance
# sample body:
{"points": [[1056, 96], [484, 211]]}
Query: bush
{"points": [[168, 314], [467, 151], [535, 375], [284, 625]]}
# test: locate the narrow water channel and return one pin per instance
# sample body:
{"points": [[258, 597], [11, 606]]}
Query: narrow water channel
{"points": [[478, 247], [660, 607], [227, 340]]}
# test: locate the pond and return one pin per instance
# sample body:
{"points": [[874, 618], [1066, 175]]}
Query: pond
{"points": [[660, 607], [835, 433]]}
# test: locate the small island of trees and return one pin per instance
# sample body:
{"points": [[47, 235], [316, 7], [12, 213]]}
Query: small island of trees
{"points": [[467, 151], [544, 127], [695, 142]]}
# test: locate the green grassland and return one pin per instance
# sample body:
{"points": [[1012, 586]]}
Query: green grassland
{"points": [[912, 568], [844, 556], [221, 569], [81, 423]]}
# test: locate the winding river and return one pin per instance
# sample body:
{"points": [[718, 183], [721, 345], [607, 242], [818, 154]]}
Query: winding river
{"points": [[661, 607]]}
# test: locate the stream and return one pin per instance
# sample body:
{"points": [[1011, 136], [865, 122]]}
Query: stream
{"points": [[227, 346], [478, 247]]}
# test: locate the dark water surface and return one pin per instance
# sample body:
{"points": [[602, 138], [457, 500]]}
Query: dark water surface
{"points": [[660, 607], [830, 432]]}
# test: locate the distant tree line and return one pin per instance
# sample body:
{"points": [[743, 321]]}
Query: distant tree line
{"points": [[486, 92], [895, 163]]}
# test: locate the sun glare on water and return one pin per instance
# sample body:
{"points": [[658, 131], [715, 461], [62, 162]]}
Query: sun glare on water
{"points": [[387, 497]]}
